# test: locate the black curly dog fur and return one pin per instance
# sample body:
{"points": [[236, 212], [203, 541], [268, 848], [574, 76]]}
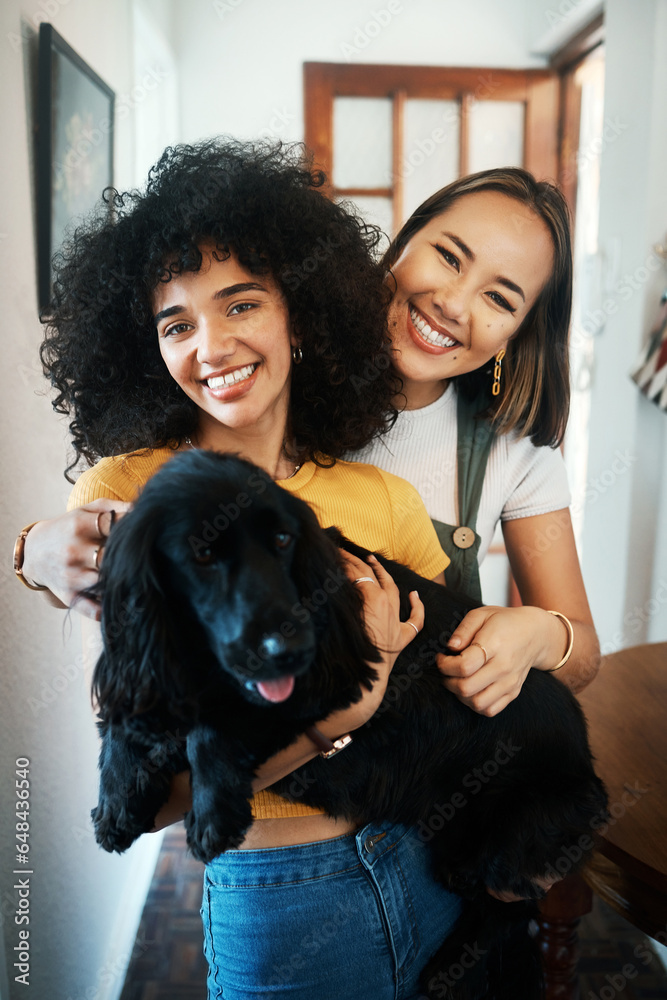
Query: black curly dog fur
{"points": [[217, 587]]}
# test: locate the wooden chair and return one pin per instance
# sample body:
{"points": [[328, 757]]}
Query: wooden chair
{"points": [[626, 707]]}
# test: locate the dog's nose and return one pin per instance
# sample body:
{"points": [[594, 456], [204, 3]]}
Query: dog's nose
{"points": [[277, 650], [271, 646]]}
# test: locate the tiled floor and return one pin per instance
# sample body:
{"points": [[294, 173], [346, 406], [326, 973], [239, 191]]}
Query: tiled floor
{"points": [[168, 963]]}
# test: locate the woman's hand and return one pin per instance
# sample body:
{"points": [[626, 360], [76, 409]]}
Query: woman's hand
{"points": [[498, 648], [544, 884], [386, 631], [64, 553]]}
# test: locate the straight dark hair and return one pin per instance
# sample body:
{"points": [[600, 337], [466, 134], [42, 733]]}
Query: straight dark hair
{"points": [[536, 372]]}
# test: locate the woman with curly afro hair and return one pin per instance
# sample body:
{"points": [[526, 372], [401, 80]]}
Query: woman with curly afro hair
{"points": [[231, 306], [262, 203]]}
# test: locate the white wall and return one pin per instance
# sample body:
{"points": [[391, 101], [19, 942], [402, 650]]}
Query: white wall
{"points": [[625, 542], [241, 60], [85, 905]]}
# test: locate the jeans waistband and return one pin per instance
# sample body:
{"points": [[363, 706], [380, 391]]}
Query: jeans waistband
{"points": [[297, 862]]}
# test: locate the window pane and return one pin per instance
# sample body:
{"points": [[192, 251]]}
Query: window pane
{"points": [[362, 142], [496, 134], [378, 211], [430, 156]]}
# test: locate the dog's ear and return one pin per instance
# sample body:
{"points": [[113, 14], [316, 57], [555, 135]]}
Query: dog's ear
{"points": [[344, 647], [136, 672]]}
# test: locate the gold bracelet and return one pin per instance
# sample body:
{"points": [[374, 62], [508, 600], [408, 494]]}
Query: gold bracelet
{"points": [[327, 748], [19, 548], [568, 651]]}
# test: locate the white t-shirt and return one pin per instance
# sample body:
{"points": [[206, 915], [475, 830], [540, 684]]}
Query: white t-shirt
{"points": [[521, 480]]}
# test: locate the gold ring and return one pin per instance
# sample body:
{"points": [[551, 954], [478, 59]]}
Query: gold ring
{"points": [[486, 655], [96, 558], [414, 626], [98, 522], [365, 579]]}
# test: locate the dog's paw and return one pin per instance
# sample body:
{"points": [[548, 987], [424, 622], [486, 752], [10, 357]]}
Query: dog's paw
{"points": [[115, 829], [206, 839]]}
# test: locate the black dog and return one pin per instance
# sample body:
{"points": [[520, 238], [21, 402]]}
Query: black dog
{"points": [[229, 627]]}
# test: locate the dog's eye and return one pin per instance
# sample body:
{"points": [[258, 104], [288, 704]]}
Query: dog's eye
{"points": [[204, 556], [283, 540]]}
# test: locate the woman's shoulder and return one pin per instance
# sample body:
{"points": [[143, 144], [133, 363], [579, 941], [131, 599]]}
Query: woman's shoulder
{"points": [[118, 477], [517, 448], [532, 478]]}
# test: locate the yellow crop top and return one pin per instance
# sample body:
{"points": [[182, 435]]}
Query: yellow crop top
{"points": [[373, 508]]}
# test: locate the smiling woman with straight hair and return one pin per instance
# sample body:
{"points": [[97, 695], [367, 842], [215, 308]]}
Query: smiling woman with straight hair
{"points": [[481, 275], [536, 372]]}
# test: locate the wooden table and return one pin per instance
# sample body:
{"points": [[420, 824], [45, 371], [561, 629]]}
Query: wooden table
{"points": [[626, 707]]}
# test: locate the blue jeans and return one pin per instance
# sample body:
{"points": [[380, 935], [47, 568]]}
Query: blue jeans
{"points": [[353, 918]]}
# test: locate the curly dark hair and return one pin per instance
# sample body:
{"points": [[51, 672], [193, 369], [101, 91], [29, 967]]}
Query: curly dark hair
{"points": [[261, 202]]}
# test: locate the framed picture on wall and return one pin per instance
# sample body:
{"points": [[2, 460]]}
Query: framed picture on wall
{"points": [[74, 147]]}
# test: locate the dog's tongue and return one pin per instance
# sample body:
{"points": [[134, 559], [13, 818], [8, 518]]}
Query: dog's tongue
{"points": [[278, 690]]}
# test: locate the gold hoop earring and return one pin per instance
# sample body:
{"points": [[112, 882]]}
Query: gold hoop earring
{"points": [[497, 372], [297, 354]]}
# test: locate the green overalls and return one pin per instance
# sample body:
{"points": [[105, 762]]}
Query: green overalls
{"points": [[461, 542]]}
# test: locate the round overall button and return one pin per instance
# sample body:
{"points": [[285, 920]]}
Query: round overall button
{"points": [[463, 538]]}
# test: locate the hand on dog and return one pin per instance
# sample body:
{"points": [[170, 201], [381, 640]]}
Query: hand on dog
{"points": [[513, 640], [544, 884], [62, 553], [384, 625]]}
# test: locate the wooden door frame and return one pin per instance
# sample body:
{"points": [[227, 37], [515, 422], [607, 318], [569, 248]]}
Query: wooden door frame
{"points": [[538, 89]]}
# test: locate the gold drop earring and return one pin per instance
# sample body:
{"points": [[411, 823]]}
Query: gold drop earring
{"points": [[497, 372]]}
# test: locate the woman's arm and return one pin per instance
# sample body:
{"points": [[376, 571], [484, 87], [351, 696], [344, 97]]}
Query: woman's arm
{"points": [[62, 554], [286, 761], [544, 561]]}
